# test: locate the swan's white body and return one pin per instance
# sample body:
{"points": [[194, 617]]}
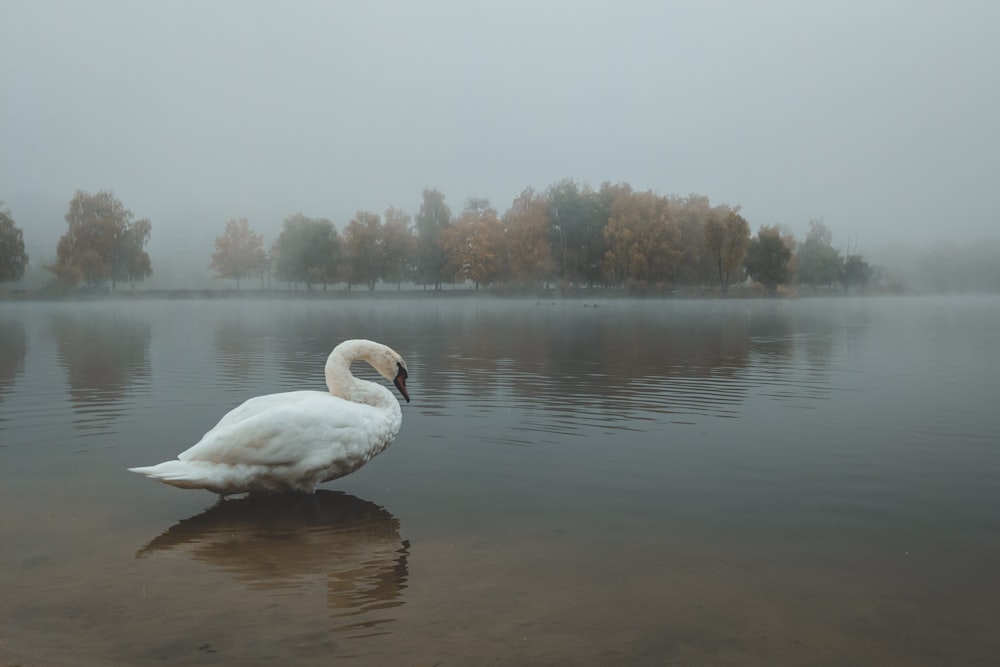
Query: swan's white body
{"points": [[295, 440]]}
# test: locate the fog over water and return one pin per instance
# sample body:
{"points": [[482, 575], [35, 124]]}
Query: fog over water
{"points": [[877, 117]]}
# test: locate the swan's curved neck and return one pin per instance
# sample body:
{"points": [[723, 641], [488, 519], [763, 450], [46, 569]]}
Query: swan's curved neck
{"points": [[342, 383]]}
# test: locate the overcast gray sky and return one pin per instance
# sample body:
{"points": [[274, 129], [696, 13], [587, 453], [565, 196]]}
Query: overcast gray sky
{"points": [[880, 116]]}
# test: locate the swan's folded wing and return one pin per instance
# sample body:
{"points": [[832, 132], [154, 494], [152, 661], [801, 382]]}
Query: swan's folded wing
{"points": [[315, 427], [260, 404]]}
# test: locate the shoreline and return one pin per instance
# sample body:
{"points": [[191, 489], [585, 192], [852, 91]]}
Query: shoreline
{"points": [[553, 293]]}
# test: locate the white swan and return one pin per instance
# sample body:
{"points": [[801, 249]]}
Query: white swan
{"points": [[295, 440]]}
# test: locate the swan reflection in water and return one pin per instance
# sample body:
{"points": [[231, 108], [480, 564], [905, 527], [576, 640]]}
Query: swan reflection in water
{"points": [[287, 541]]}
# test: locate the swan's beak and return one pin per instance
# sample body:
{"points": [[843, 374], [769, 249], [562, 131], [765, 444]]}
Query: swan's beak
{"points": [[400, 382]]}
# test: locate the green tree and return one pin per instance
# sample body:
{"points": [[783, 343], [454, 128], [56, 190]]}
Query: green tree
{"points": [[307, 250], [727, 235], [132, 263], [324, 261], [578, 217], [432, 220], [399, 247], [818, 262], [239, 252], [13, 258], [767, 258], [855, 272], [364, 249], [103, 242]]}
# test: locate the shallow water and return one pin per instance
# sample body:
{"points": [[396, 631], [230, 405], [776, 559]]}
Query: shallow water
{"points": [[621, 482]]}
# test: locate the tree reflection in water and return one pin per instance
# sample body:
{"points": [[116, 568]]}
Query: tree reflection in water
{"points": [[702, 361], [291, 542], [13, 348], [106, 358]]}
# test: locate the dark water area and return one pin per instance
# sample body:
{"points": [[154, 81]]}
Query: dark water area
{"points": [[795, 482]]}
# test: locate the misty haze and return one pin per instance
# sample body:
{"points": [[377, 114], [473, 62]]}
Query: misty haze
{"points": [[700, 304], [877, 120]]}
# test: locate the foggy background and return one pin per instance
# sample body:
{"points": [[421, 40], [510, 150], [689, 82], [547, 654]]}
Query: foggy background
{"points": [[880, 118]]}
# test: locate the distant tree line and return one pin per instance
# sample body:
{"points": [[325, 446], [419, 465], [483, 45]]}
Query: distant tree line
{"points": [[572, 235], [613, 237]]}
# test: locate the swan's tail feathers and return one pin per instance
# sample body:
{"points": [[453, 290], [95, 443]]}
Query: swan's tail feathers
{"points": [[182, 474]]}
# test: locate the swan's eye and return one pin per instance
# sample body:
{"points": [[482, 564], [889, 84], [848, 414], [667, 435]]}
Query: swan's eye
{"points": [[400, 371]]}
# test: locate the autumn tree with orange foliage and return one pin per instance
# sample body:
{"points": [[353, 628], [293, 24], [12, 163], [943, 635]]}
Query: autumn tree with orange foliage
{"points": [[643, 240], [526, 239], [474, 244], [103, 243], [238, 252]]}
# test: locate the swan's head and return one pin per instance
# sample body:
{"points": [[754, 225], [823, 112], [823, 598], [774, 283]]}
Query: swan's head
{"points": [[391, 366], [381, 357]]}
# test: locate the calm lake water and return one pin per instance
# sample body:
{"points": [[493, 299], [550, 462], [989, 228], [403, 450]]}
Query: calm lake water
{"points": [[795, 482]]}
